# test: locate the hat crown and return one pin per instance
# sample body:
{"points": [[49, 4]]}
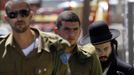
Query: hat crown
{"points": [[99, 32]]}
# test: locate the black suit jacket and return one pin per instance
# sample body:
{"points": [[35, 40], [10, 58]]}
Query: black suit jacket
{"points": [[120, 68]]}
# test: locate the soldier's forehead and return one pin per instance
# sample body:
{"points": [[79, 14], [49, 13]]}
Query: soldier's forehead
{"points": [[17, 5]]}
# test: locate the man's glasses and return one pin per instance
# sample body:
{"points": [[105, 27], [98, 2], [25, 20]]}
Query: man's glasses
{"points": [[22, 13]]}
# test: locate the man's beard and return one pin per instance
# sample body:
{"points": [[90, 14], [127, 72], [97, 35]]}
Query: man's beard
{"points": [[20, 28], [106, 63]]}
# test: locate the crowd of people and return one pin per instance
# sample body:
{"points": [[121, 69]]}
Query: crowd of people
{"points": [[30, 51]]}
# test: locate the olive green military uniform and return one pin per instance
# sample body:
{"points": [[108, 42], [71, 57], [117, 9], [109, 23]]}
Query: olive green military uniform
{"points": [[83, 61], [39, 62]]}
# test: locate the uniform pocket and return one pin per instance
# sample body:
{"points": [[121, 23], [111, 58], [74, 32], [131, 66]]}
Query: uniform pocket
{"points": [[7, 69], [42, 70]]}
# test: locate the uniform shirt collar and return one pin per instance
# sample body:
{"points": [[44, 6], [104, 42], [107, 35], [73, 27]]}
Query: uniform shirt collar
{"points": [[9, 39], [42, 45], [45, 40]]}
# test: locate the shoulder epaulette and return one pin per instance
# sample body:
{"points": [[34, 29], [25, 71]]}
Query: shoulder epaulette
{"points": [[3, 36], [89, 48], [49, 35]]}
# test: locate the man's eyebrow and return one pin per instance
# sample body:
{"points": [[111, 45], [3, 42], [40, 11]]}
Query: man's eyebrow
{"points": [[75, 28], [98, 49], [105, 47]]}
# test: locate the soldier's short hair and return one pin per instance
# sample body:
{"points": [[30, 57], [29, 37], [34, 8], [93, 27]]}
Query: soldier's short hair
{"points": [[67, 16], [11, 2]]}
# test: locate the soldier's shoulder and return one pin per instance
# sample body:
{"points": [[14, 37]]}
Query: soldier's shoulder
{"points": [[55, 38], [85, 52], [3, 36], [50, 35], [88, 48]]}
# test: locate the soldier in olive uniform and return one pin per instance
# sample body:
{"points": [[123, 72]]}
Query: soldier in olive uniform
{"points": [[80, 60], [27, 51]]}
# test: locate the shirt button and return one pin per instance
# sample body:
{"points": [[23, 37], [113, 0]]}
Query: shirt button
{"points": [[44, 69], [39, 71]]}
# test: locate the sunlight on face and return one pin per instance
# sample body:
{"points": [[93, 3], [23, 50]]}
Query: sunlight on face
{"points": [[103, 50]]}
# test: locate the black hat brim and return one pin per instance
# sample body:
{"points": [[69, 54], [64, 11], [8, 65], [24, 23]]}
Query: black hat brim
{"points": [[86, 39]]}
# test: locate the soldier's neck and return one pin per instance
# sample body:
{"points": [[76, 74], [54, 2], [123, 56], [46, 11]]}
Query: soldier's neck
{"points": [[25, 39], [70, 49]]}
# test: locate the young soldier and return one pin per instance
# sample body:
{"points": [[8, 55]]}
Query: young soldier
{"points": [[80, 60]]}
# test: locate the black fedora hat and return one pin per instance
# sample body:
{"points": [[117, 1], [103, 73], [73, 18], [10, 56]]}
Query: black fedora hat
{"points": [[99, 32]]}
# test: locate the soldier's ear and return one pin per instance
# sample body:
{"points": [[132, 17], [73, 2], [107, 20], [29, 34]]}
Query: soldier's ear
{"points": [[80, 31], [56, 30], [31, 14], [6, 19]]}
